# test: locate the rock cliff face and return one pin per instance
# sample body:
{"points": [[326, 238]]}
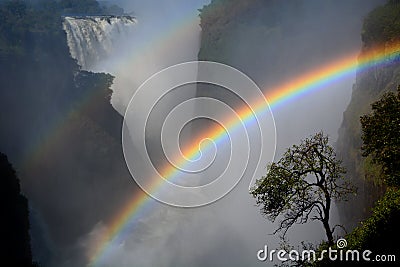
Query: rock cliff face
{"points": [[15, 249], [272, 40], [381, 29], [58, 129]]}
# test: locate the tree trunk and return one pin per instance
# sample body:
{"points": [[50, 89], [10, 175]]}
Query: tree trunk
{"points": [[328, 232], [325, 221]]}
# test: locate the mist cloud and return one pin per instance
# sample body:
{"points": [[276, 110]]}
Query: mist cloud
{"points": [[229, 232]]}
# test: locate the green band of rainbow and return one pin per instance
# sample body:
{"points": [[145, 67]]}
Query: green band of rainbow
{"points": [[300, 86]]}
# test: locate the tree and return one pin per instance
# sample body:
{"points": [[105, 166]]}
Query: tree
{"points": [[302, 185], [381, 138]]}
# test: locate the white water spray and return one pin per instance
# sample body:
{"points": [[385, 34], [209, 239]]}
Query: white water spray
{"points": [[92, 39]]}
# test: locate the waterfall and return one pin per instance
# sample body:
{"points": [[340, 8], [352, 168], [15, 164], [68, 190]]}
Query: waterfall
{"points": [[92, 38]]}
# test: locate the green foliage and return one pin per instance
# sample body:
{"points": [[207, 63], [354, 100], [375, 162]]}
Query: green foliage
{"points": [[381, 28], [13, 26], [22, 24], [373, 172], [381, 147], [80, 7], [302, 184], [88, 7], [21, 21], [223, 20], [381, 226], [378, 233], [382, 24], [381, 136], [113, 10]]}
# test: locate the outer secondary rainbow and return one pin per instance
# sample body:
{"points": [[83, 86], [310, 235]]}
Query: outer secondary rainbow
{"points": [[277, 96]]}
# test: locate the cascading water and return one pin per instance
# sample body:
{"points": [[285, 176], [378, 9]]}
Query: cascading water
{"points": [[92, 38], [132, 53]]}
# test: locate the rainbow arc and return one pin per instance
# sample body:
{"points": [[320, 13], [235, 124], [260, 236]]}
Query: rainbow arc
{"points": [[300, 86]]}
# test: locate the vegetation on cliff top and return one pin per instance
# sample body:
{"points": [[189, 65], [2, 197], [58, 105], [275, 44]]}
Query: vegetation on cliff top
{"points": [[57, 126], [381, 139], [381, 27]]}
